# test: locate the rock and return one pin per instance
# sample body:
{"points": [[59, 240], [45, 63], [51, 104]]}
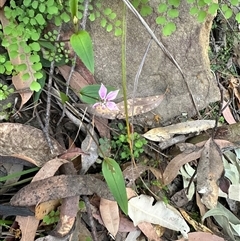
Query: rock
{"points": [[188, 45]]}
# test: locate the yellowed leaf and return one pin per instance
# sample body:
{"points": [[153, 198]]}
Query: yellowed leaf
{"points": [[45, 208]]}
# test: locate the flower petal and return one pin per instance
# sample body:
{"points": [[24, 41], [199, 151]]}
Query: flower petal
{"points": [[96, 104], [111, 105], [112, 95], [102, 92]]}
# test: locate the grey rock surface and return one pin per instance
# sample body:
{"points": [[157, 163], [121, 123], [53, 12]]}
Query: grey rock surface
{"points": [[188, 45]]}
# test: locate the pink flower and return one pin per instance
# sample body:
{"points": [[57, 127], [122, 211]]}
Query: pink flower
{"points": [[106, 99]]}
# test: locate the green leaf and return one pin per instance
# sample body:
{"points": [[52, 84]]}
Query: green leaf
{"points": [[109, 27], [107, 11], [63, 97], [161, 20], [228, 13], [35, 86], [162, 8], [115, 180], [201, 16], [174, 3], [89, 94], [103, 22], [173, 13], [235, 2], [169, 28], [118, 32], [39, 18], [41, 81], [146, 11], [213, 8], [81, 43], [238, 17], [73, 8]]}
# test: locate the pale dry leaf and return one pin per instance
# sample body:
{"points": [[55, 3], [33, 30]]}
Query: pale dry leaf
{"points": [[141, 209], [133, 235], [2, 3], [135, 107], [28, 226], [110, 215], [209, 171], [165, 133], [200, 236], [17, 80], [27, 143]]}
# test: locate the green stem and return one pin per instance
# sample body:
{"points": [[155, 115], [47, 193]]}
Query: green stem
{"points": [[124, 75]]}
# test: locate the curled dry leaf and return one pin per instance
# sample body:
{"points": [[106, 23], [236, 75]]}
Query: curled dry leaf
{"points": [[60, 187], [141, 209], [209, 171], [165, 133], [27, 143], [175, 164]]}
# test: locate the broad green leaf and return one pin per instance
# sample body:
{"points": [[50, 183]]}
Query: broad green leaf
{"points": [[114, 178], [81, 43], [194, 10], [73, 8]]}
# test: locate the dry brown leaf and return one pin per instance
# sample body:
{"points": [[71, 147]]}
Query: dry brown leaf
{"points": [[149, 231], [27, 143], [110, 215], [200, 236], [209, 171], [175, 164], [228, 114], [60, 187], [77, 82], [17, 80]]}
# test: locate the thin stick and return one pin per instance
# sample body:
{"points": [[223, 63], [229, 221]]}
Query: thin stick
{"points": [[48, 108]]}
